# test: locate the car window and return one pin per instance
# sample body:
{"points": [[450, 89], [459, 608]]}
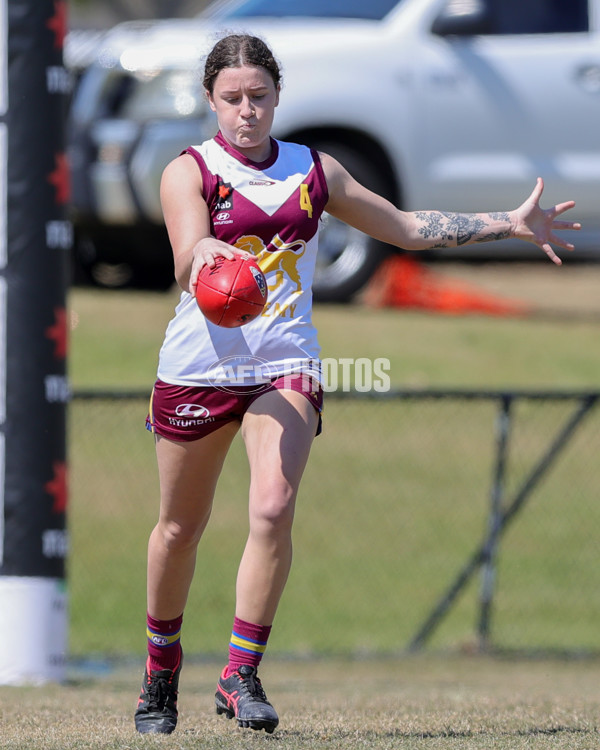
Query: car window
{"points": [[365, 9], [538, 16], [499, 17]]}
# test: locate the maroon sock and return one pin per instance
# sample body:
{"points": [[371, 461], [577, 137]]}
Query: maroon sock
{"points": [[164, 645], [247, 645]]}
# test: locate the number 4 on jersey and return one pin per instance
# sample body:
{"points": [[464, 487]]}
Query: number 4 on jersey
{"points": [[305, 203]]}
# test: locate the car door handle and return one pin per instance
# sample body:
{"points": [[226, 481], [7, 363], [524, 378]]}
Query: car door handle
{"points": [[588, 77]]}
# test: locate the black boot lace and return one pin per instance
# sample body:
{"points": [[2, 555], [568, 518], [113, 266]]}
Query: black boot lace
{"points": [[158, 691]]}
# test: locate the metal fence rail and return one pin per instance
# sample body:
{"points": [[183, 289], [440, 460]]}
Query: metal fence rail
{"points": [[408, 495]]}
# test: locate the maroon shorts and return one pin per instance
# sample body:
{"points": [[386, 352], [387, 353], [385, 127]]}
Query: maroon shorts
{"points": [[185, 413]]}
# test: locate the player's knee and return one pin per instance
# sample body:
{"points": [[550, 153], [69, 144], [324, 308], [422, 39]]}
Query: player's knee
{"points": [[273, 511], [177, 537]]}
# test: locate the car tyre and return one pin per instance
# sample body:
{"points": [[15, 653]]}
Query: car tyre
{"points": [[347, 258]]}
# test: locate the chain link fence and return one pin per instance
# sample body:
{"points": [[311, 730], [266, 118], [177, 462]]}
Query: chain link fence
{"points": [[447, 520]]}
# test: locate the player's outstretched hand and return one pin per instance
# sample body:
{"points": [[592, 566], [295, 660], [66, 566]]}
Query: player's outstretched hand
{"points": [[534, 224]]}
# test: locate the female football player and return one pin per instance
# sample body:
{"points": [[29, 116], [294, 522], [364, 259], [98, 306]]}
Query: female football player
{"points": [[244, 192]]}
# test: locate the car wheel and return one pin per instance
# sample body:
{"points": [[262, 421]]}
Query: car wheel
{"points": [[347, 258]]}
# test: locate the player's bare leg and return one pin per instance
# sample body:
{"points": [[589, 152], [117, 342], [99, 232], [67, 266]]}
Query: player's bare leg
{"points": [[278, 431], [188, 473]]}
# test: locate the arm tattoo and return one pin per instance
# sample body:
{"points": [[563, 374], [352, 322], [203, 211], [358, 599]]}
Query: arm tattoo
{"points": [[464, 226], [444, 227], [492, 236], [433, 226]]}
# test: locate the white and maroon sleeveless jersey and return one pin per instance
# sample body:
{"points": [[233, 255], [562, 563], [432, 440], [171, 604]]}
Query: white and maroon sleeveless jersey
{"points": [[271, 209]]}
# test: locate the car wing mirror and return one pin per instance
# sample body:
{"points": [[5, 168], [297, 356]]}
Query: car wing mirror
{"points": [[466, 18]]}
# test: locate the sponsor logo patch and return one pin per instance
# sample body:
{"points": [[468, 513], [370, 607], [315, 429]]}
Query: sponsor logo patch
{"points": [[192, 410], [224, 196]]}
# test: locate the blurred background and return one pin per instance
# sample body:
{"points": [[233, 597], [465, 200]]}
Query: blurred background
{"points": [[453, 116], [92, 14]]}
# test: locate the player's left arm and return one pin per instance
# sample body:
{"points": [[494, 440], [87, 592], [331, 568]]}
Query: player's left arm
{"points": [[354, 204]]}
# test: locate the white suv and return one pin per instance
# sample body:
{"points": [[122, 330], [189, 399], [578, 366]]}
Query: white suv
{"points": [[450, 104]]}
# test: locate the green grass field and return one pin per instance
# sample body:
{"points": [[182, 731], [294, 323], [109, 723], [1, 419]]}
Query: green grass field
{"points": [[387, 515], [394, 499], [395, 496]]}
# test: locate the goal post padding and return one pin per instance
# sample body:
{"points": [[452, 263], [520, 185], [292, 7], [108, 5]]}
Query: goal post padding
{"points": [[35, 240]]}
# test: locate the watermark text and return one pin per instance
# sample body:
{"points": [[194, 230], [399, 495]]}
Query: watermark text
{"points": [[361, 374]]}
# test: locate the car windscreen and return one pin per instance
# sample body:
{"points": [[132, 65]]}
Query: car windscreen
{"points": [[364, 9]]}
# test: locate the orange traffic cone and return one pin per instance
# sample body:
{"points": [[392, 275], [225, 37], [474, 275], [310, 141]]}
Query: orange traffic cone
{"points": [[402, 281]]}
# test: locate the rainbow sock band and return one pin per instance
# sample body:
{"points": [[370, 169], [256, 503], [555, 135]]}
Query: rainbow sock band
{"points": [[162, 640], [164, 644], [163, 634], [248, 643]]}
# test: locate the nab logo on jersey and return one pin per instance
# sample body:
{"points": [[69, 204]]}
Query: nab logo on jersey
{"points": [[224, 196]]}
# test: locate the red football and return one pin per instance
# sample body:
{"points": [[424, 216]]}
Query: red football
{"points": [[233, 292]]}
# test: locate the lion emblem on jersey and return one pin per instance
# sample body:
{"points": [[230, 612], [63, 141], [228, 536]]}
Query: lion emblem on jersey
{"points": [[279, 257]]}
